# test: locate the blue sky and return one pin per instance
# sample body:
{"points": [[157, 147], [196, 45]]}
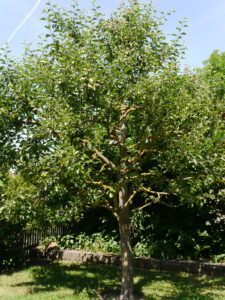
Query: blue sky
{"points": [[205, 18]]}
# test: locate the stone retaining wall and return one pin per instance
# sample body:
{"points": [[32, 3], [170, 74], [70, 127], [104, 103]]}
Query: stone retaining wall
{"points": [[147, 263], [139, 262]]}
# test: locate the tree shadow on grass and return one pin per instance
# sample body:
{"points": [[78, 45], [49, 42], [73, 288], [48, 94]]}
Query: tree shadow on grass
{"points": [[98, 280], [93, 279], [180, 286]]}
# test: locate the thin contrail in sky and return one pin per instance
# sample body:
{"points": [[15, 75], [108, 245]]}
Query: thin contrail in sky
{"points": [[24, 20]]}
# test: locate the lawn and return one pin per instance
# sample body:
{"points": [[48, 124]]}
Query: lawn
{"points": [[66, 280]]}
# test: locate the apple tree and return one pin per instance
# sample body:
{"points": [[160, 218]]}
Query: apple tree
{"points": [[104, 116]]}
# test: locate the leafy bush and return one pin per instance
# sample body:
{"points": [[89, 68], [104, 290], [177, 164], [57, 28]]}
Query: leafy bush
{"points": [[100, 242], [218, 258], [97, 242], [183, 232], [141, 249]]}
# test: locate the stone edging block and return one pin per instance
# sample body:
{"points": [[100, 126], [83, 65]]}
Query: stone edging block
{"points": [[139, 262]]}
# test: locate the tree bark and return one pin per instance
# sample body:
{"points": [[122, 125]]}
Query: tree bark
{"points": [[127, 285]]}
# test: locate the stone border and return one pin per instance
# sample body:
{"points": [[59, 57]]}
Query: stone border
{"points": [[139, 262], [146, 263]]}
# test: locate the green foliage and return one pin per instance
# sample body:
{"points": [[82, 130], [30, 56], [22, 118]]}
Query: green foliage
{"points": [[141, 249], [171, 232], [218, 258], [19, 204], [214, 73], [12, 222], [182, 232], [66, 109], [97, 242], [67, 241], [101, 109]]}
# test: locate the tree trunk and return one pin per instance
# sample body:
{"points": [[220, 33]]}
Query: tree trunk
{"points": [[127, 286]]}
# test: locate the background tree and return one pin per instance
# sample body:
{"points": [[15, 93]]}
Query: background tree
{"points": [[106, 117], [214, 73]]}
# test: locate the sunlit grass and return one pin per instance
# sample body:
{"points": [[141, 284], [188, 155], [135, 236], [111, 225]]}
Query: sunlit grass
{"points": [[66, 280]]}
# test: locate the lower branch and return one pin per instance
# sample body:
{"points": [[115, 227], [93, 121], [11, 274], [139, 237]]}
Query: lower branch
{"points": [[159, 194]]}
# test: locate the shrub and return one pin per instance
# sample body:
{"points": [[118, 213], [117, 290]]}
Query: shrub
{"points": [[96, 242]]}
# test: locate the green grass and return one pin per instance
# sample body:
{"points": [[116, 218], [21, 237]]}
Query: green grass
{"points": [[66, 280]]}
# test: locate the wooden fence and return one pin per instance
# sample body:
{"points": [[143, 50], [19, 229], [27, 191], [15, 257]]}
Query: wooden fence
{"points": [[33, 238]]}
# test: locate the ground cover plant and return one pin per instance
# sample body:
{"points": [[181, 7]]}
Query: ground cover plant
{"points": [[66, 280]]}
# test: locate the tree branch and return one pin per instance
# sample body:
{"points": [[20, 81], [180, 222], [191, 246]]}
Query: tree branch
{"points": [[101, 184], [131, 198], [188, 178], [115, 201], [148, 204], [127, 112], [139, 155], [159, 194], [109, 207], [149, 174], [161, 202], [100, 155]]}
